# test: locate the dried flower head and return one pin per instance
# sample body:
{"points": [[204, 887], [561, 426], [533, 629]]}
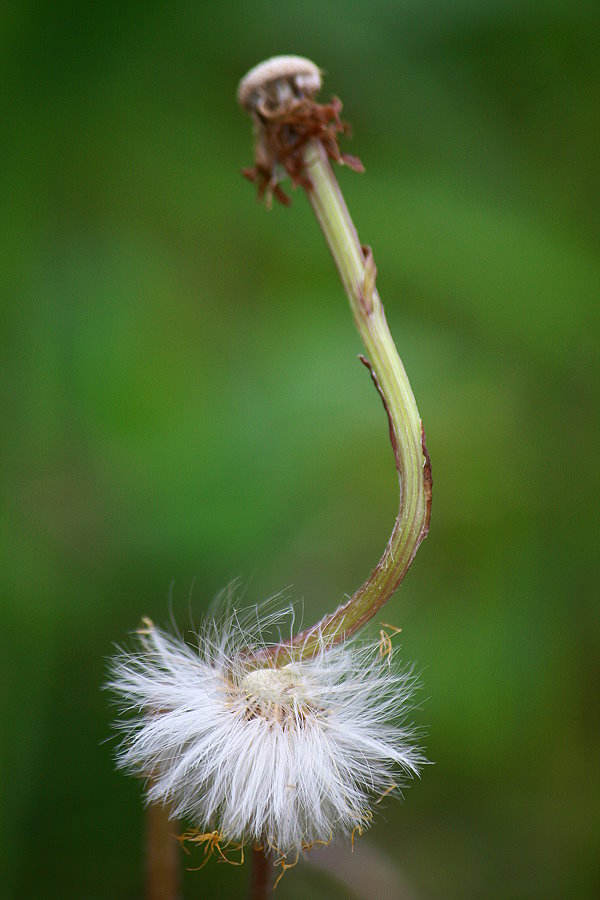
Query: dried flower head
{"points": [[279, 94], [283, 757]]}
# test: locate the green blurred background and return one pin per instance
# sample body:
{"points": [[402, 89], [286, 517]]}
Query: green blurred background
{"points": [[183, 406]]}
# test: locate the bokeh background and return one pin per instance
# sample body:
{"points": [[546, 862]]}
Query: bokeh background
{"points": [[183, 406]]}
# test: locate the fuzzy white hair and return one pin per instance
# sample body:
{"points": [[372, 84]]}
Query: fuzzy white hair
{"points": [[280, 757]]}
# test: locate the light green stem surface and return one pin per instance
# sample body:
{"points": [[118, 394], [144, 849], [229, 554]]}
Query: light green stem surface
{"points": [[357, 272]]}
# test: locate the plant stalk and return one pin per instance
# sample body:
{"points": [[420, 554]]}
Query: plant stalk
{"points": [[261, 876], [162, 858], [357, 272], [296, 135]]}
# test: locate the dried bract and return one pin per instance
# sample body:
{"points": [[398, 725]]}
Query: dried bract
{"points": [[279, 94]]}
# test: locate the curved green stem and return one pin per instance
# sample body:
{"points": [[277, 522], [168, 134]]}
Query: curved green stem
{"points": [[358, 273]]}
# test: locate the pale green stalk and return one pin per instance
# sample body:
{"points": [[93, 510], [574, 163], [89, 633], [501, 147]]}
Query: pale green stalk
{"points": [[357, 272], [273, 93]]}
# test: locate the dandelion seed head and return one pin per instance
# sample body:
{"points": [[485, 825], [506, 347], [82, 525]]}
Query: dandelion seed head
{"points": [[285, 757]]}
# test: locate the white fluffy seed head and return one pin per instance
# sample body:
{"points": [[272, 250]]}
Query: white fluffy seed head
{"points": [[283, 757]]}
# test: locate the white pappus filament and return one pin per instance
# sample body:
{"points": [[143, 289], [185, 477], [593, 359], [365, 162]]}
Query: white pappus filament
{"points": [[281, 757]]}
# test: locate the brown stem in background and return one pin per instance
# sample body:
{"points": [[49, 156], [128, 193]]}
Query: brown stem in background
{"points": [[261, 876], [162, 858]]}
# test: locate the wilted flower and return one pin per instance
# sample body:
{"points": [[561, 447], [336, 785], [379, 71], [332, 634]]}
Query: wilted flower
{"points": [[280, 757]]}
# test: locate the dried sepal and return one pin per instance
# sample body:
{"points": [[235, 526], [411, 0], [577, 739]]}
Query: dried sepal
{"points": [[280, 96]]}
